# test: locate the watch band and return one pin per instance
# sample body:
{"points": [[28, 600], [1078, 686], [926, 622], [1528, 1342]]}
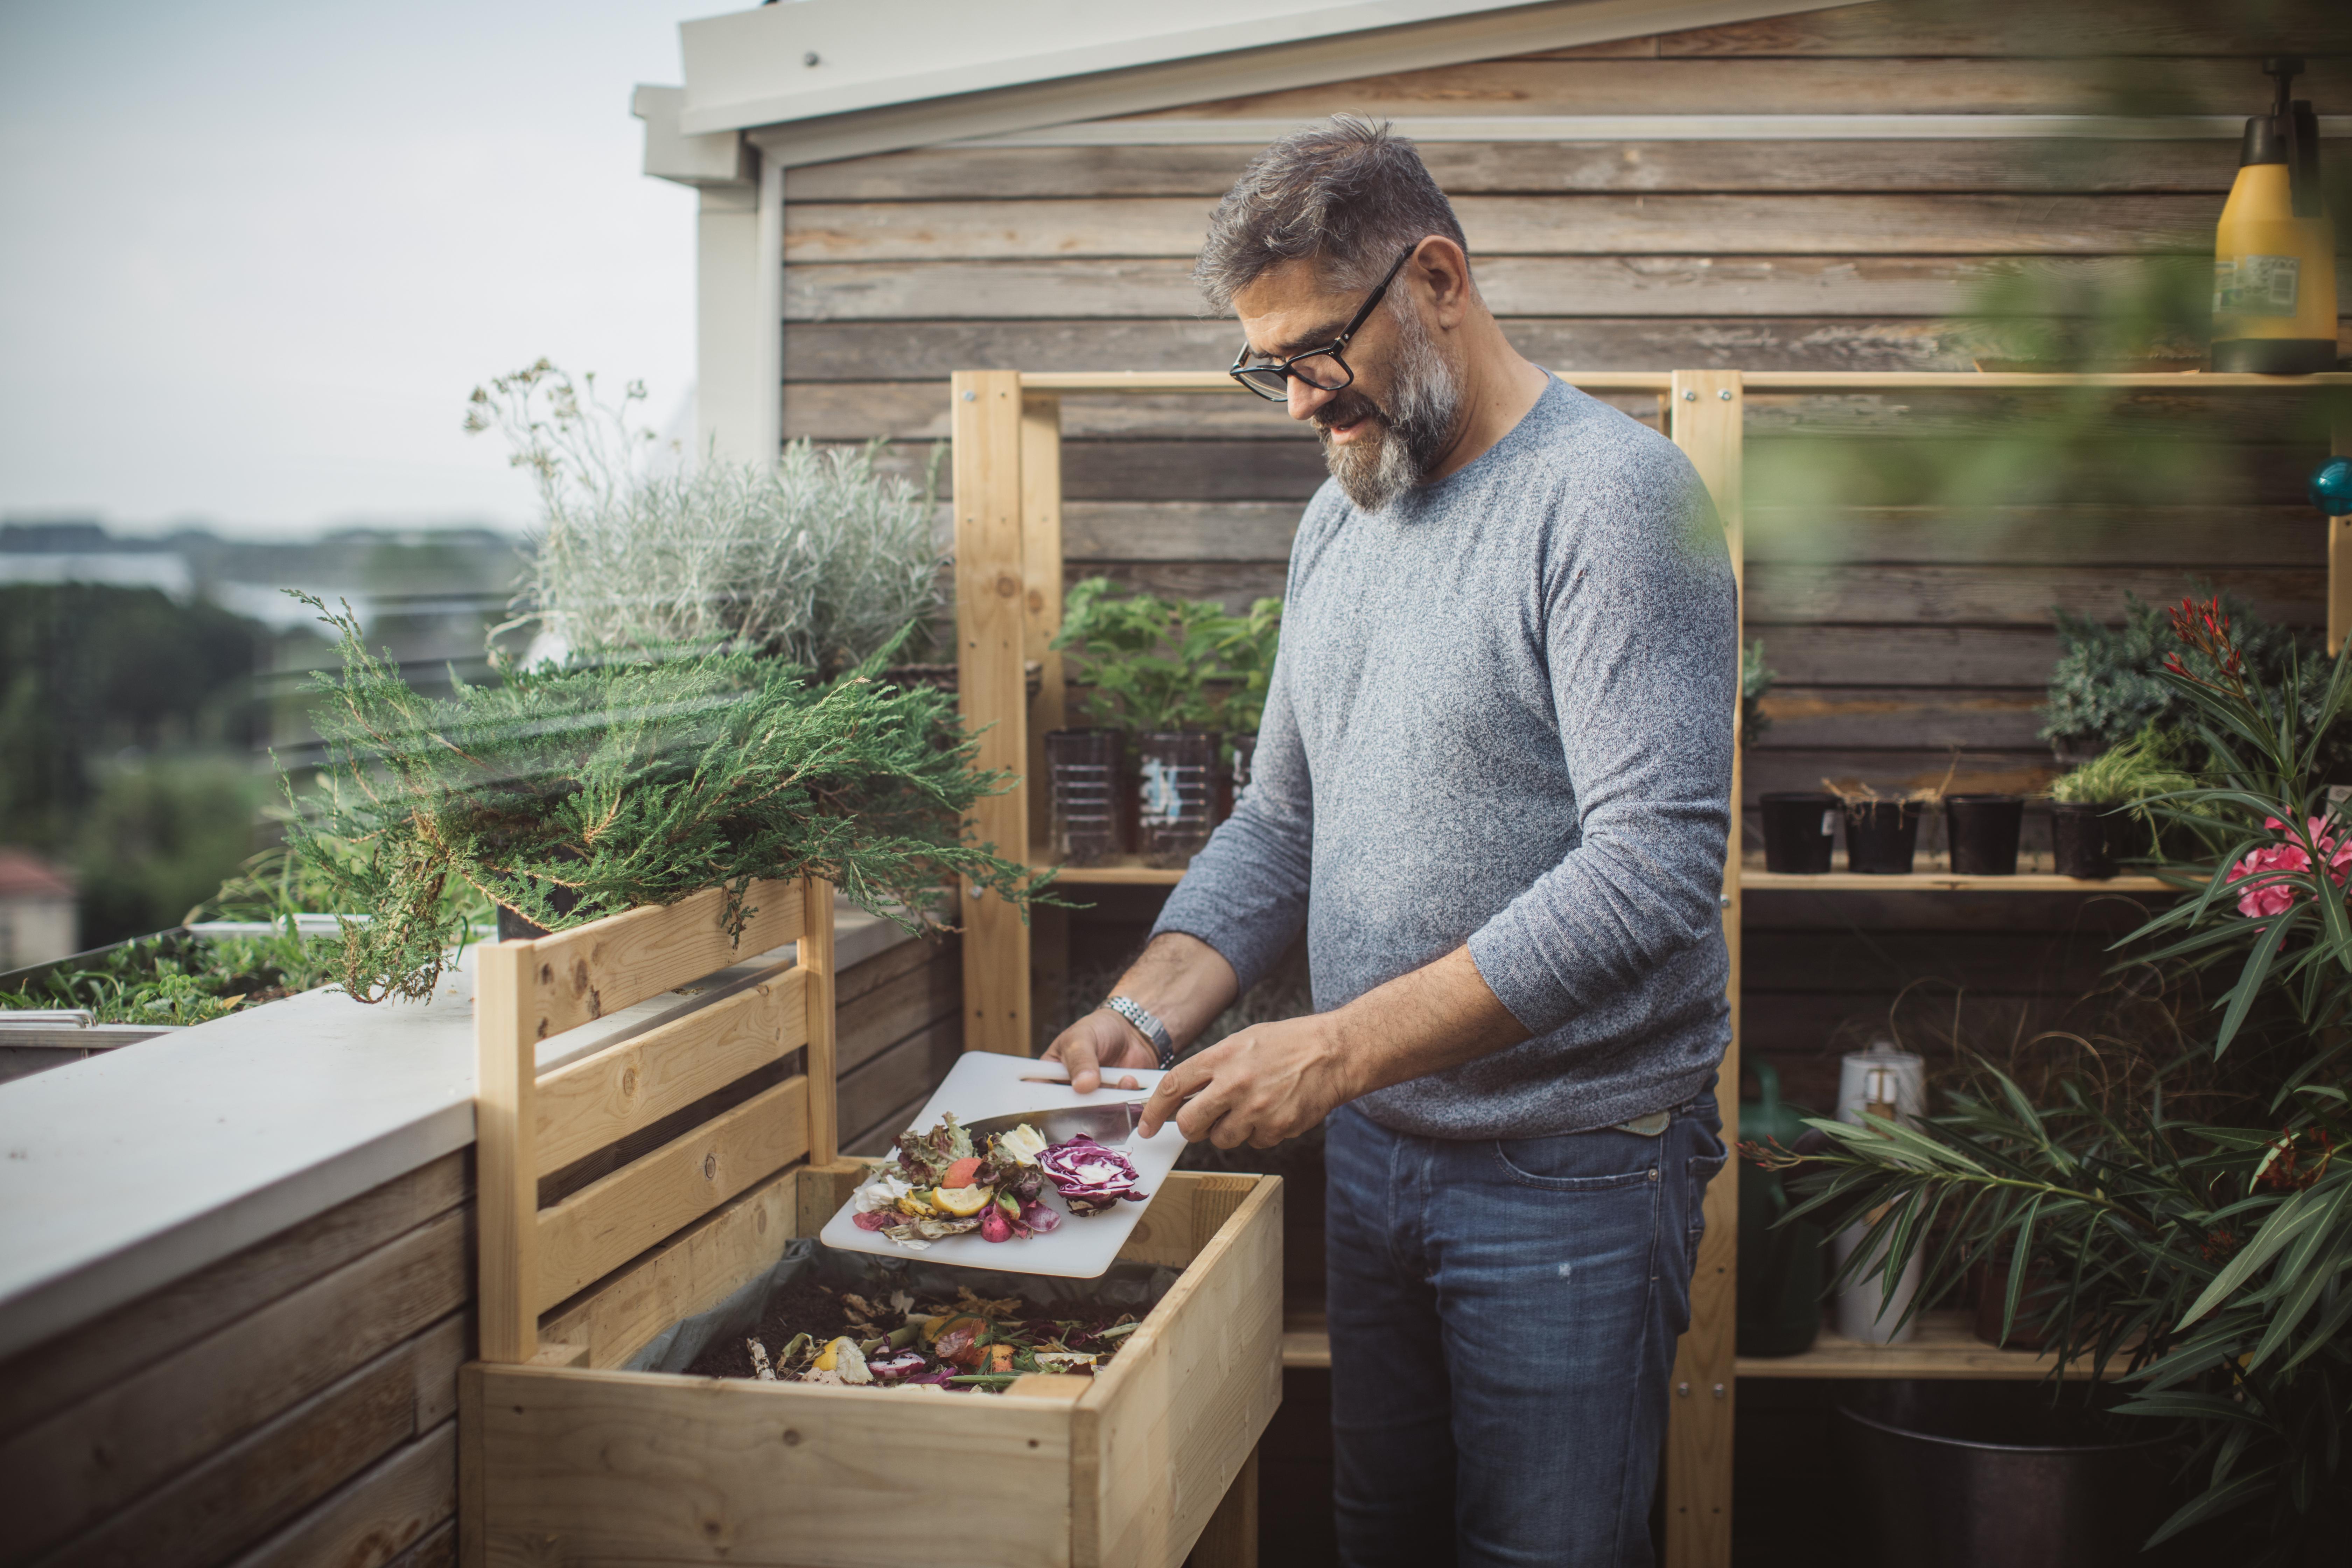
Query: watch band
{"points": [[1152, 1028]]}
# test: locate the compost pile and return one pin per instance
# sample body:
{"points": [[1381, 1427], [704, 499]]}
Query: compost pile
{"points": [[942, 1187], [812, 1332]]}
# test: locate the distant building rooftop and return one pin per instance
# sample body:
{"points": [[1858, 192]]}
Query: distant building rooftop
{"points": [[25, 875]]}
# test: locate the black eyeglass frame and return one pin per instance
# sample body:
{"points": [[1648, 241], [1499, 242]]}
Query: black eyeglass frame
{"points": [[1243, 373]]}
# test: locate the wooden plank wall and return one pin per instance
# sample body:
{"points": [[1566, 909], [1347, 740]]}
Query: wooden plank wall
{"points": [[1907, 632], [294, 1406]]}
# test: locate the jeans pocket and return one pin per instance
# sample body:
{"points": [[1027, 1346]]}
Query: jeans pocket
{"points": [[1599, 1161], [1702, 1170]]}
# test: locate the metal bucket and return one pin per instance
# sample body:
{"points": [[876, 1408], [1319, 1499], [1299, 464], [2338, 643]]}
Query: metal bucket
{"points": [[1967, 1474]]}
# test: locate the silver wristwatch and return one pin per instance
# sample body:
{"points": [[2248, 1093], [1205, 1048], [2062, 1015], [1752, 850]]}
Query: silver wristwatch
{"points": [[1153, 1029]]}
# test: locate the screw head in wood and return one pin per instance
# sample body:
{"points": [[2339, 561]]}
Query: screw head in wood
{"points": [[1724, 394], [972, 397], [1690, 394]]}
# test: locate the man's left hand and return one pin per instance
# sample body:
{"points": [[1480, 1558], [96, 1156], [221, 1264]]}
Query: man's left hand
{"points": [[1264, 1085]]}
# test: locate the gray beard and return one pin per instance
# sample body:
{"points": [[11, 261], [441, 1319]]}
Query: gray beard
{"points": [[1425, 398]]}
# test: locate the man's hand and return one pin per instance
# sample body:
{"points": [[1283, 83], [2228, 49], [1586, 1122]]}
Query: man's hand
{"points": [[1102, 1039], [1266, 1084]]}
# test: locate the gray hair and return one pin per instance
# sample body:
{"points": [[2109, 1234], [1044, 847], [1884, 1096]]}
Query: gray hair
{"points": [[1348, 194]]}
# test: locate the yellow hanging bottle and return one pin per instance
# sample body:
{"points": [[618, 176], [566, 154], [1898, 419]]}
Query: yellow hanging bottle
{"points": [[2274, 252]]}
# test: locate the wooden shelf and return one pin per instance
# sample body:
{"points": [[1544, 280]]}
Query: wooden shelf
{"points": [[1944, 1345], [1762, 881], [1126, 871]]}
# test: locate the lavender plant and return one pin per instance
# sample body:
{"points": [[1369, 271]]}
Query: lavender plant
{"points": [[819, 558]]}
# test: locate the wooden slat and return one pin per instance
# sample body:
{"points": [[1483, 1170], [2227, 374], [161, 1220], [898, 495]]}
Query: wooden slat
{"points": [[404, 1498], [2015, 595], [1176, 1417], [1667, 285], [1529, 168], [601, 1098], [1582, 224], [506, 1118], [1795, 86], [610, 1221], [2339, 550], [1966, 717], [237, 1496], [1994, 29], [71, 1471], [861, 351], [2187, 536], [48, 1377], [1943, 1345], [2023, 535], [922, 995], [1041, 572], [1230, 1538], [1707, 412], [818, 1021], [909, 1069], [576, 976], [1925, 656], [687, 1274], [639, 1464], [991, 637]]}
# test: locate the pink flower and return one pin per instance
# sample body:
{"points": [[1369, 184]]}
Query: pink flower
{"points": [[2274, 897]]}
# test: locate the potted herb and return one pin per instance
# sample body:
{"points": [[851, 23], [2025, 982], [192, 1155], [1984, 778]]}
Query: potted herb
{"points": [[1882, 832], [1152, 665], [819, 558], [2089, 826], [2188, 1222], [567, 793]]}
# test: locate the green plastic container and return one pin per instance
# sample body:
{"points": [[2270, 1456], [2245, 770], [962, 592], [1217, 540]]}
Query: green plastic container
{"points": [[1780, 1276]]}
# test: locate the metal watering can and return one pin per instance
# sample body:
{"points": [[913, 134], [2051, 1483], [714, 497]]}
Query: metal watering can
{"points": [[1779, 1270]]}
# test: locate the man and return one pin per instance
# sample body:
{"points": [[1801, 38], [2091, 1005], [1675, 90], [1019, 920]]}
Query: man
{"points": [[1491, 784]]}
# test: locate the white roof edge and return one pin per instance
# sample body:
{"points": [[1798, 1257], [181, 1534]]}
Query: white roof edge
{"points": [[747, 70]]}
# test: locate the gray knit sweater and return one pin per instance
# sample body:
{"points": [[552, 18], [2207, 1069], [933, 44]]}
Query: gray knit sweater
{"points": [[1502, 714]]}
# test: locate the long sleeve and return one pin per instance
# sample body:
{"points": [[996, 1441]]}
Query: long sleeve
{"points": [[1641, 639]]}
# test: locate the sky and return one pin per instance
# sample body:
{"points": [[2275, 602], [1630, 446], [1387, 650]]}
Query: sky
{"points": [[254, 253]]}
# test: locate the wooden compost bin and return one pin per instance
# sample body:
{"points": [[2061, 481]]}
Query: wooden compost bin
{"points": [[564, 1459]]}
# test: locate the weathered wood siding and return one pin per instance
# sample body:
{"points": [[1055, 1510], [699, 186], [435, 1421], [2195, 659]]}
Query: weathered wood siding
{"points": [[294, 1406], [1903, 632]]}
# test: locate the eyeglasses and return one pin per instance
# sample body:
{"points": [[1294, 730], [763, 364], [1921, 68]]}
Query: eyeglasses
{"points": [[1322, 368]]}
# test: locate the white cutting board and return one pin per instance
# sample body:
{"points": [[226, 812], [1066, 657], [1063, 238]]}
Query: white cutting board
{"points": [[984, 1084]]}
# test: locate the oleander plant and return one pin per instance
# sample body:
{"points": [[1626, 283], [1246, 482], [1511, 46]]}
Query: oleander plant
{"points": [[2188, 1227]]}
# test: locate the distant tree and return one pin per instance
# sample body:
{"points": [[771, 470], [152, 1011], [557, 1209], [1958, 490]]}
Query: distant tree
{"points": [[86, 671]]}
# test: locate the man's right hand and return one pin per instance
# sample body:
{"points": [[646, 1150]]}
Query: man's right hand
{"points": [[1099, 1042]]}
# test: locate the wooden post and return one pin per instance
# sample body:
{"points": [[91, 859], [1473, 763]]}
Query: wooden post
{"points": [[506, 1183], [992, 640], [2339, 547], [1705, 409], [1041, 547], [816, 963]]}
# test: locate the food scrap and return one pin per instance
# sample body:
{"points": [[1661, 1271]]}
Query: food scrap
{"points": [[967, 1344], [942, 1187]]}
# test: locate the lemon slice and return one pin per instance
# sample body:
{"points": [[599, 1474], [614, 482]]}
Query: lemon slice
{"points": [[963, 1201]]}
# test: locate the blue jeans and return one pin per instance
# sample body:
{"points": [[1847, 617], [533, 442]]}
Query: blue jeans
{"points": [[1503, 1319]]}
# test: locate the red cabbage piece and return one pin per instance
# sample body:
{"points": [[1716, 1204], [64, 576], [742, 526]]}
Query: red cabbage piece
{"points": [[898, 1366], [1040, 1217], [1090, 1176]]}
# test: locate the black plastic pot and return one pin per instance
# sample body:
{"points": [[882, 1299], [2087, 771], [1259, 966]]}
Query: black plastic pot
{"points": [[1983, 830], [1882, 836], [2078, 839], [1175, 794], [1958, 1474], [1799, 831], [1083, 769]]}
